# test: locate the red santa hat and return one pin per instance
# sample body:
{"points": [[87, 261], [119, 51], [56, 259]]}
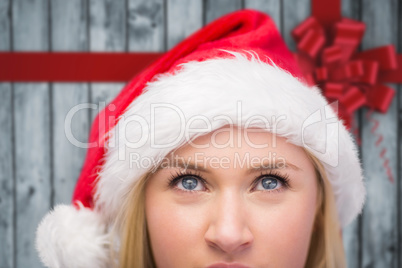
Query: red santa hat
{"points": [[239, 60]]}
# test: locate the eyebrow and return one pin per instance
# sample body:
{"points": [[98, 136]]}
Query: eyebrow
{"points": [[259, 168], [274, 165]]}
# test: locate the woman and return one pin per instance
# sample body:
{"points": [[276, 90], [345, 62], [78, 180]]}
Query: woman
{"points": [[262, 219], [217, 155]]}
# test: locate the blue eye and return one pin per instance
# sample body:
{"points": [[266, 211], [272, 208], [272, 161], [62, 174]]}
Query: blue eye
{"points": [[270, 182], [187, 182]]}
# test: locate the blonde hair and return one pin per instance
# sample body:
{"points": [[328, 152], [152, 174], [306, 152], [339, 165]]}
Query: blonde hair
{"points": [[326, 246], [130, 230]]}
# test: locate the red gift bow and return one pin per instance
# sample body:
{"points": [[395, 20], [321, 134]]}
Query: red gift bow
{"points": [[327, 54], [329, 59]]}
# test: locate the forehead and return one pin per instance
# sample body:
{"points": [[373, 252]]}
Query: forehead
{"points": [[243, 144]]}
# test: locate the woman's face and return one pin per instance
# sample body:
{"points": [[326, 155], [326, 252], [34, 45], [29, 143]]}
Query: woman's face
{"points": [[232, 202]]}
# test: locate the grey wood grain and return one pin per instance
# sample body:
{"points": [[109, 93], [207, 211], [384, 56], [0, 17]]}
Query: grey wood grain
{"points": [[107, 31], [6, 150], [351, 243], [190, 11], [217, 8], [380, 214], [33, 187], [351, 9], [146, 25], [293, 12], [32, 133], [5, 37], [68, 33], [270, 7], [6, 178], [107, 28], [102, 94]]}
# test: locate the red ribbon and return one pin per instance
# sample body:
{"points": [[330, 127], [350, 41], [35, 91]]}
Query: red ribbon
{"points": [[76, 66], [327, 54]]}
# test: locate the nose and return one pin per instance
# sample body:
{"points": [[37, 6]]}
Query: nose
{"points": [[228, 229]]}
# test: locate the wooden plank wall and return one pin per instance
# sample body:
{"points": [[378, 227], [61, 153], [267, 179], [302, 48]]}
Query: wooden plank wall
{"points": [[39, 166]]}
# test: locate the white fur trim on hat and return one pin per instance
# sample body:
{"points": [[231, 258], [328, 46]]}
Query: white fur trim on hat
{"points": [[217, 87], [68, 237]]}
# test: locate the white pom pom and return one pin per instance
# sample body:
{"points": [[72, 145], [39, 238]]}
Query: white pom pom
{"points": [[68, 237]]}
